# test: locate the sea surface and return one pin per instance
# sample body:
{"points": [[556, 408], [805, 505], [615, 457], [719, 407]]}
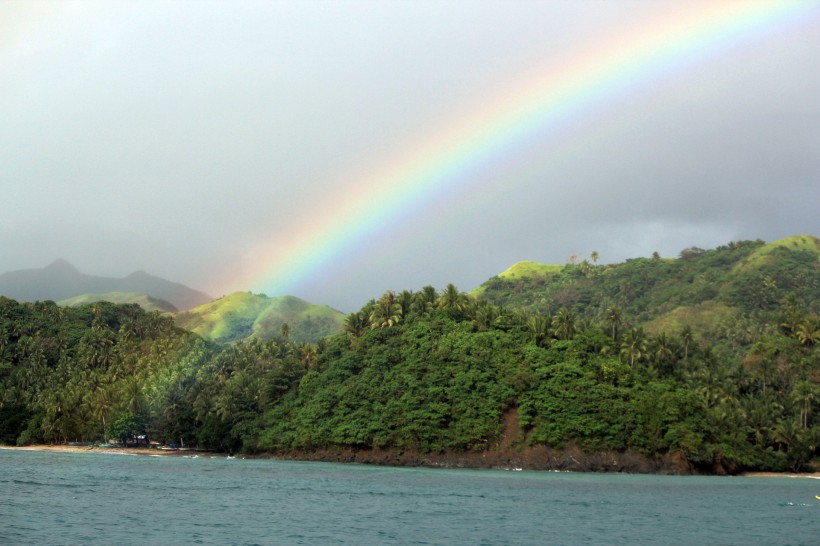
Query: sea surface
{"points": [[99, 498]]}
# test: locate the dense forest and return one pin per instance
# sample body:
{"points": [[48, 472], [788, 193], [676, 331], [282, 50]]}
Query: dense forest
{"points": [[601, 358]]}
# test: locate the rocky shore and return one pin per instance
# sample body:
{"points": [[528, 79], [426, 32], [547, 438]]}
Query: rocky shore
{"points": [[535, 458]]}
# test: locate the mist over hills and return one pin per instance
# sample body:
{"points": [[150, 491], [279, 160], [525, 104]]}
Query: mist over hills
{"points": [[61, 281]]}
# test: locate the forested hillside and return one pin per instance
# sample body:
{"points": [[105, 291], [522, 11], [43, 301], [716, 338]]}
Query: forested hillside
{"points": [[734, 286], [605, 361]]}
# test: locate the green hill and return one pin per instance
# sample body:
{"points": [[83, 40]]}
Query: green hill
{"points": [[769, 253], [704, 289], [244, 315], [146, 302], [530, 269]]}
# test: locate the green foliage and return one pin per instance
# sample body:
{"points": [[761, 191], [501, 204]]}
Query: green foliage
{"points": [[686, 356], [701, 288]]}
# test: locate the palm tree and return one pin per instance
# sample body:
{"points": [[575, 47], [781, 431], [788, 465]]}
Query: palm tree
{"points": [[614, 318], [386, 312], [686, 336], [563, 324], [661, 351], [309, 354], [804, 395], [485, 314], [101, 406], [451, 298], [355, 324], [132, 395], [539, 327], [806, 334], [405, 300], [786, 433], [634, 345], [428, 294], [421, 303]]}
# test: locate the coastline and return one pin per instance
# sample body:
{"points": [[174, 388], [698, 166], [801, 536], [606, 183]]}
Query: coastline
{"points": [[389, 458], [809, 475], [145, 451]]}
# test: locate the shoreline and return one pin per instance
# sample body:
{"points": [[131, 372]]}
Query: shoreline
{"points": [[809, 475], [334, 457], [144, 451]]}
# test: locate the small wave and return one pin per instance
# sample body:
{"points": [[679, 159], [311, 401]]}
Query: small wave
{"points": [[38, 484]]}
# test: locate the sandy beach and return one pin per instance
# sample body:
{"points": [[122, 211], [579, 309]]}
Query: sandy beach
{"points": [[810, 475], [120, 450]]}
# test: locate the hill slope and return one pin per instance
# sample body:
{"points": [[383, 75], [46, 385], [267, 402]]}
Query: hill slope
{"points": [[61, 280], [245, 315], [702, 288]]}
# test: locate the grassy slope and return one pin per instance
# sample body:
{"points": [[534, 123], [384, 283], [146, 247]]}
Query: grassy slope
{"points": [[530, 269], [700, 317], [148, 303], [521, 270], [244, 315], [767, 254]]}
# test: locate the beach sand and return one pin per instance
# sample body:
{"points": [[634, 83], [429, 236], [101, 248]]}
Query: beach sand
{"points": [[811, 475], [120, 450]]}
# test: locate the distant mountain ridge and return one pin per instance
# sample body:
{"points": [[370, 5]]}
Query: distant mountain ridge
{"points": [[60, 280]]}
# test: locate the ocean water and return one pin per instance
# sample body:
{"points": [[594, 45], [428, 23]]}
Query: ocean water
{"points": [[97, 498]]}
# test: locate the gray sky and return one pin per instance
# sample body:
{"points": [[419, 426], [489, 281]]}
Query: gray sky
{"points": [[183, 138]]}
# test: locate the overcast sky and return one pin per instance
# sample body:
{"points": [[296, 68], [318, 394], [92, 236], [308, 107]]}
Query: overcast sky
{"points": [[180, 138]]}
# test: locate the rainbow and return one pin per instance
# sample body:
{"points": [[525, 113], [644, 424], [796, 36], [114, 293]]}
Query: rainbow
{"points": [[546, 100]]}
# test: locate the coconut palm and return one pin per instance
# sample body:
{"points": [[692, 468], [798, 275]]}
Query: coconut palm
{"points": [[615, 319], [807, 334], [804, 394], [563, 324], [485, 314], [634, 346], [355, 324], [451, 298], [686, 337], [405, 301], [661, 351], [101, 405], [539, 327], [386, 312], [309, 354]]}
